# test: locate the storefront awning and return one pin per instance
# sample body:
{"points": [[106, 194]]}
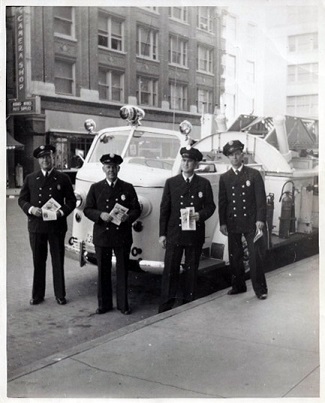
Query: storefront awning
{"points": [[13, 144]]}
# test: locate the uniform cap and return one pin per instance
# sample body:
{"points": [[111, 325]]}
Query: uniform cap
{"points": [[43, 150], [111, 159], [193, 153], [232, 146]]}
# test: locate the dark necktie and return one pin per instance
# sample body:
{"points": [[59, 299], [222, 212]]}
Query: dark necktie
{"points": [[237, 172], [188, 181], [46, 174]]}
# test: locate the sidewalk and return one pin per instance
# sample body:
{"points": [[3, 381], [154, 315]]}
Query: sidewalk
{"points": [[219, 346]]}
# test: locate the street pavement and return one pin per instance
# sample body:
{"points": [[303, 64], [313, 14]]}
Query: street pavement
{"points": [[36, 332], [219, 346]]}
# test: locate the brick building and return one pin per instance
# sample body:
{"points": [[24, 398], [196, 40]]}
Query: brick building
{"points": [[68, 64]]}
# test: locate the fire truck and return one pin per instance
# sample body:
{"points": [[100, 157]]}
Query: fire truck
{"points": [[151, 155]]}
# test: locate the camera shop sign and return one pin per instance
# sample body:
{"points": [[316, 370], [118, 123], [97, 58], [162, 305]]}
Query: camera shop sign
{"points": [[22, 105]]}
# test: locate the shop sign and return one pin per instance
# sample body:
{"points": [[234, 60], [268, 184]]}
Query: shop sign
{"points": [[29, 106], [20, 52]]}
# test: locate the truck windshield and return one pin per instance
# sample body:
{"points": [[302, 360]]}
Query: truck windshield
{"points": [[155, 150]]}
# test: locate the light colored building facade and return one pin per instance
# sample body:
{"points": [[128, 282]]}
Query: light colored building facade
{"points": [[271, 60]]}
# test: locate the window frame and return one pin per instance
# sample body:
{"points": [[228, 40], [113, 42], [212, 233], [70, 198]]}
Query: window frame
{"points": [[109, 35], [183, 12], [152, 46], [294, 73], [300, 101], [296, 44], [182, 105], [182, 52], [208, 108], [208, 60], [72, 23], [109, 73], [152, 93], [207, 25], [72, 63]]}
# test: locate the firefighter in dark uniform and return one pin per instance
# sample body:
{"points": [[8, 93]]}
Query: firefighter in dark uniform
{"points": [[38, 188], [181, 191], [109, 236], [242, 211]]}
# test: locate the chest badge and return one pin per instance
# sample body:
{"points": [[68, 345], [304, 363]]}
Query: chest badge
{"points": [[248, 183], [58, 187], [123, 197], [200, 195]]}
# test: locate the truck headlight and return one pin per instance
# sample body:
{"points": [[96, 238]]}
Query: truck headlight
{"points": [[145, 205], [81, 199]]}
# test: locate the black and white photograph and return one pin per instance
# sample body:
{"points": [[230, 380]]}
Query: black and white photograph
{"points": [[162, 184]]}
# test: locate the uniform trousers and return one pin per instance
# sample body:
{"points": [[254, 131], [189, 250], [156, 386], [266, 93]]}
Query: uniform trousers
{"points": [[104, 291], [171, 274], [38, 242], [236, 255]]}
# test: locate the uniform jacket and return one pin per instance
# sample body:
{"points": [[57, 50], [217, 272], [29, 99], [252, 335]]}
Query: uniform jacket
{"points": [[37, 190], [102, 198], [177, 195], [242, 200]]}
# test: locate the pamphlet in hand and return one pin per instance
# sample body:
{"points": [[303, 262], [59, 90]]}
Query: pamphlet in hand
{"points": [[188, 223], [117, 212], [258, 234], [49, 210]]}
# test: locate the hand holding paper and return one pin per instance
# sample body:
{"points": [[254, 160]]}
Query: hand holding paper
{"points": [[49, 210]]}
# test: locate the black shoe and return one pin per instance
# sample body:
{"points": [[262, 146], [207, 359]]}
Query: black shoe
{"points": [[234, 291], [100, 311], [61, 301], [262, 296], [126, 312], [36, 301]]}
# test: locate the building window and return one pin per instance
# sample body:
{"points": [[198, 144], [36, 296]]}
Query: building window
{"points": [[64, 79], [178, 13], [230, 105], [204, 101], [231, 29], [250, 72], [64, 24], [110, 32], [251, 34], [177, 51], [303, 73], [153, 9], [178, 96], [231, 67], [111, 85], [147, 91], [205, 18], [205, 56], [303, 43], [303, 106], [147, 43]]}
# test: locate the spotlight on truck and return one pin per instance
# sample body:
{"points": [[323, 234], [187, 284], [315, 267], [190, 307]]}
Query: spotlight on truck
{"points": [[90, 126], [132, 114]]}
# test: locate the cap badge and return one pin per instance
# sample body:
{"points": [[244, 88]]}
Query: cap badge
{"points": [[188, 147], [231, 143], [42, 147], [112, 155]]}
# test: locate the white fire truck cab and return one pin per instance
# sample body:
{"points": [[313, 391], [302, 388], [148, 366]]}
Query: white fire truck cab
{"points": [[152, 155]]}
